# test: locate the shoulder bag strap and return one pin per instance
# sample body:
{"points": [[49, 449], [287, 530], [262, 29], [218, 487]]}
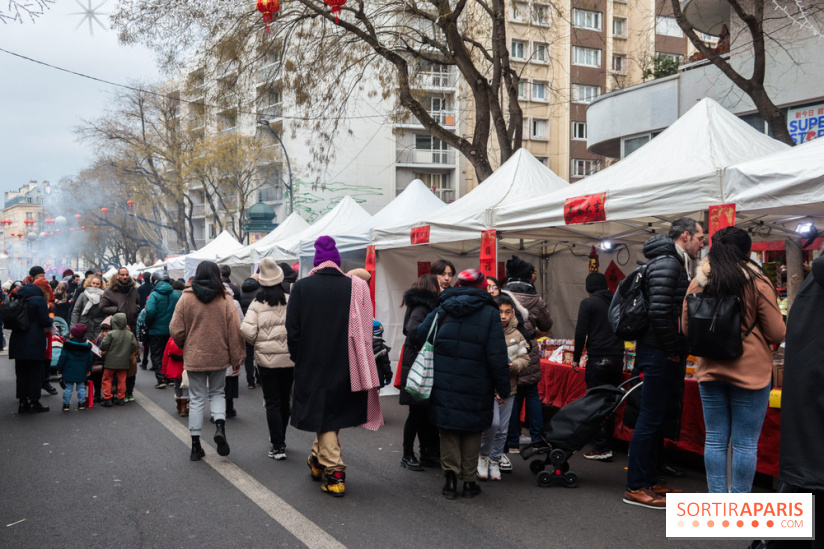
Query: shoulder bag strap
{"points": [[433, 330]]}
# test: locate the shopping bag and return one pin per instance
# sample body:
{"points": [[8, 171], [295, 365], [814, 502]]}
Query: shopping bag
{"points": [[397, 382], [421, 375], [184, 380]]}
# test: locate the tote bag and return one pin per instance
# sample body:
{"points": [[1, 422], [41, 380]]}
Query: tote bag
{"points": [[421, 375]]}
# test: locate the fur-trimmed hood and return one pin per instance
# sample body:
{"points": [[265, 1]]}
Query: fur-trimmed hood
{"points": [[523, 311], [414, 297]]}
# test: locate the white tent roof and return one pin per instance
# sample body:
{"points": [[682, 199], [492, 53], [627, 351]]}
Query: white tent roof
{"points": [[291, 226], [346, 217], [791, 180], [679, 171], [520, 177], [416, 201], [224, 243]]}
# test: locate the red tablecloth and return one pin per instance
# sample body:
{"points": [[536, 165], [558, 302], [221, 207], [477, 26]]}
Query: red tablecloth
{"points": [[560, 385]]}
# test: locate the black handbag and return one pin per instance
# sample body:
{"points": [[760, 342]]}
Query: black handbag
{"points": [[715, 326]]}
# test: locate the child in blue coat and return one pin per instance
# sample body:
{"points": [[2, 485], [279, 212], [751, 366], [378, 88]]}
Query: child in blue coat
{"points": [[76, 364]]}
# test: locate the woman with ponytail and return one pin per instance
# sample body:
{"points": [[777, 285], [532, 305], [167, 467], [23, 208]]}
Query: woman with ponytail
{"points": [[735, 392]]}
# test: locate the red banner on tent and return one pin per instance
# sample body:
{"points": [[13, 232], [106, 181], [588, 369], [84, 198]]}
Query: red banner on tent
{"points": [[720, 217], [423, 267], [420, 235], [614, 276], [370, 268], [489, 253], [585, 209]]}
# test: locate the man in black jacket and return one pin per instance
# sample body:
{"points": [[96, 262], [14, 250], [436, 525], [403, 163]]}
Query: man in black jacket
{"points": [[660, 354], [605, 352]]}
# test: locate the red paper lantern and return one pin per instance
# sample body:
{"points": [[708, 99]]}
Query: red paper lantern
{"points": [[77, 216], [71, 229], [83, 228], [335, 5], [129, 203], [104, 210], [269, 9]]}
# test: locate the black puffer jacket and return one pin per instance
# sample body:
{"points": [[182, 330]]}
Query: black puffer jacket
{"points": [[666, 288], [248, 292], [470, 360], [419, 303]]}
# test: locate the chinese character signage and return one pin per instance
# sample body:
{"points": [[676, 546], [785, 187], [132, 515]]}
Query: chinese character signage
{"points": [[585, 209], [806, 124], [423, 268], [720, 217], [614, 276], [420, 235], [370, 268], [489, 253]]}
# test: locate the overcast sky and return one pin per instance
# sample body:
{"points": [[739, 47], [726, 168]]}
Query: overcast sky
{"points": [[39, 106]]}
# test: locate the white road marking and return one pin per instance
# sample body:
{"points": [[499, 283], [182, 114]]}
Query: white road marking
{"points": [[287, 516]]}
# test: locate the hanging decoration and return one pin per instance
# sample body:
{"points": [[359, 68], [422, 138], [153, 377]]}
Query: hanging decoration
{"points": [[269, 9], [614, 276], [335, 5], [593, 260], [130, 203], [489, 253], [104, 210]]}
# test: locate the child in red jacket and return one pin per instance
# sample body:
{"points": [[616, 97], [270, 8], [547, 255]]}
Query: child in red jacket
{"points": [[173, 369]]}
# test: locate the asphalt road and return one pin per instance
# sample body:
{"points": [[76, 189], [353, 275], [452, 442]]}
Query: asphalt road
{"points": [[121, 477]]}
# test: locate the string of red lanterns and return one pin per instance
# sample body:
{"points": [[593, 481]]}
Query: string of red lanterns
{"points": [[269, 9]]}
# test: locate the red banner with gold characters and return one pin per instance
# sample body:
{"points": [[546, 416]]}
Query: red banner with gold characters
{"points": [[419, 235], [585, 209], [489, 253], [370, 268], [614, 276], [720, 217]]}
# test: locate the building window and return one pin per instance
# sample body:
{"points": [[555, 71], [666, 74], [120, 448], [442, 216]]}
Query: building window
{"points": [[631, 144], [540, 14], [579, 130], [583, 93], [619, 27], [668, 26], [522, 90], [671, 56], [519, 12], [29, 215], [539, 128], [619, 63], [518, 50], [585, 19], [540, 52], [583, 168], [543, 160], [431, 150], [539, 91], [586, 57], [439, 183]]}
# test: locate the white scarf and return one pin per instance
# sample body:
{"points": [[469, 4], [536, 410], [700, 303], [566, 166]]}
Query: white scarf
{"points": [[93, 296]]}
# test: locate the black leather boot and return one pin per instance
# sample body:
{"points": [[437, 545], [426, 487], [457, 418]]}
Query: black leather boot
{"points": [[410, 462], [471, 489], [197, 449], [35, 407], [220, 437], [24, 406], [450, 488]]}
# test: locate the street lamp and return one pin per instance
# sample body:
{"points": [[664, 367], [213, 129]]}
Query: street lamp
{"points": [[265, 123]]}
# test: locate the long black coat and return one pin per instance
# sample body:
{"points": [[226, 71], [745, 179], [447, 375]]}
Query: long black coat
{"points": [[802, 401], [31, 344], [419, 303], [317, 331], [471, 362]]}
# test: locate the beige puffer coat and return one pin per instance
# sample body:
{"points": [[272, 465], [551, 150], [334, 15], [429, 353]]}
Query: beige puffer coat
{"points": [[265, 327]]}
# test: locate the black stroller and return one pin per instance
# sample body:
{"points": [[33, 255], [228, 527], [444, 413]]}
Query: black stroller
{"points": [[570, 429]]}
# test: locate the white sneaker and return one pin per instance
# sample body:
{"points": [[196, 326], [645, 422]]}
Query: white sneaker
{"points": [[505, 464], [483, 467], [494, 470]]}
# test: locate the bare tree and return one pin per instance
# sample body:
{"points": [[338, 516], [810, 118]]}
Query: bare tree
{"points": [[18, 11], [762, 22]]}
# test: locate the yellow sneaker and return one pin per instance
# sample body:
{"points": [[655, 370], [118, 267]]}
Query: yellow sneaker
{"points": [[334, 484], [314, 466]]}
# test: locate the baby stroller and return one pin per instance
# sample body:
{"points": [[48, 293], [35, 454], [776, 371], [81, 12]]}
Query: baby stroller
{"points": [[570, 429]]}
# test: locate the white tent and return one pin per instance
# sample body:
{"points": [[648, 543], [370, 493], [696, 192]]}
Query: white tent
{"points": [[347, 216], [291, 226], [223, 244], [790, 182], [110, 273], [415, 202], [520, 177], [678, 172]]}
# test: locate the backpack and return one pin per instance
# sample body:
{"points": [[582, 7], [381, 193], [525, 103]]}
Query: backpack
{"points": [[715, 326], [628, 309], [15, 313], [142, 329]]}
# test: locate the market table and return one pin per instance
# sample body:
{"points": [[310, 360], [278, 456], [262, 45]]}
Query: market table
{"points": [[560, 385]]}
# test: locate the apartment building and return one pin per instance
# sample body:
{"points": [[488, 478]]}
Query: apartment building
{"points": [[23, 215]]}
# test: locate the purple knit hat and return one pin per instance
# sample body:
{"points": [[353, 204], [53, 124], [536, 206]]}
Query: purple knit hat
{"points": [[78, 331], [325, 250]]}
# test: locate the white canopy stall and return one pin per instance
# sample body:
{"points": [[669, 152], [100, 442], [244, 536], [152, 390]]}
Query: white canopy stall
{"points": [[223, 244], [293, 225]]}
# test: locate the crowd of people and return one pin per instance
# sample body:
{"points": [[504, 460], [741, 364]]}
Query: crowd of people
{"points": [[318, 354]]}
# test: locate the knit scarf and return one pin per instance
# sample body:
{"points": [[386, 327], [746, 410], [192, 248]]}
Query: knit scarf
{"points": [[93, 296], [363, 372]]}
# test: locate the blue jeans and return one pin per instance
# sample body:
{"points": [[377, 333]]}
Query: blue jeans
{"points": [[732, 414], [661, 380], [493, 438], [528, 396], [67, 392]]}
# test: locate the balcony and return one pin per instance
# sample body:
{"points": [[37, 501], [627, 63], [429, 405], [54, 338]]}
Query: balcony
{"points": [[270, 112], [435, 80], [417, 157], [271, 194], [447, 119], [227, 69], [198, 210], [267, 73]]}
